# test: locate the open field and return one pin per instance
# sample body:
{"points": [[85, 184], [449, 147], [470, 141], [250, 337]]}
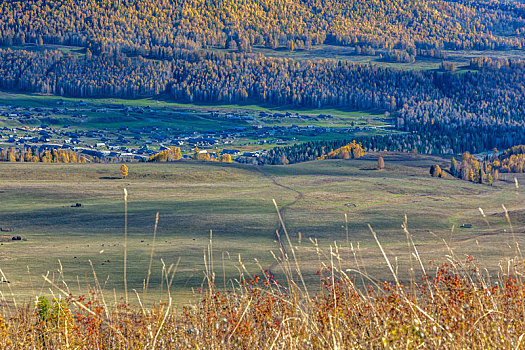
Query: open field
{"points": [[236, 203], [39, 100], [72, 50], [346, 53]]}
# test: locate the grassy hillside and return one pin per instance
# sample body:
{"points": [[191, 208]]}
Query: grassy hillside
{"points": [[236, 203]]}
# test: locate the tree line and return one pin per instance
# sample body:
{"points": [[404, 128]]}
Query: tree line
{"points": [[488, 169], [351, 151], [330, 149], [33, 154], [173, 154]]}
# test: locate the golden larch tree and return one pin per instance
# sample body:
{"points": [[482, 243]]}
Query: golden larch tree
{"points": [[124, 171]]}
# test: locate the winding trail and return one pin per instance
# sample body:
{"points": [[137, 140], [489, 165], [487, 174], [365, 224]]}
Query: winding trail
{"points": [[280, 231]]}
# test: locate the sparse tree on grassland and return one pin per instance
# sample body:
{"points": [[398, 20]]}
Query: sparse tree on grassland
{"points": [[435, 171], [380, 163], [177, 154], [124, 170]]}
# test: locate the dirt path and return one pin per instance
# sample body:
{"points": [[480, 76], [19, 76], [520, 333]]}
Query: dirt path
{"points": [[280, 231]]}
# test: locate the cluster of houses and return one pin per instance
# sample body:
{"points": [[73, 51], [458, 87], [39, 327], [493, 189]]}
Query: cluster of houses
{"points": [[140, 142], [295, 116]]}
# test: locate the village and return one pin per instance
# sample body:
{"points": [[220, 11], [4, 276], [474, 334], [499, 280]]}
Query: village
{"points": [[91, 129]]}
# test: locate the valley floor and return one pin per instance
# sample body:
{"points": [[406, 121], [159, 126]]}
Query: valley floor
{"points": [[235, 203]]}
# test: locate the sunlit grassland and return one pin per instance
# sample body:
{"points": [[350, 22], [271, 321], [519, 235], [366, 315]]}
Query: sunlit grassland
{"points": [[235, 202], [344, 53], [460, 57], [39, 100]]}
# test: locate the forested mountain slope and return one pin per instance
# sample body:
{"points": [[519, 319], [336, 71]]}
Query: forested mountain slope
{"points": [[155, 27]]}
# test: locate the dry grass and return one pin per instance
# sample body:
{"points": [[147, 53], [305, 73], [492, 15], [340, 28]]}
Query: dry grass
{"points": [[456, 305]]}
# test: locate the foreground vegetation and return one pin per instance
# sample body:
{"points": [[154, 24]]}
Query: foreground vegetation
{"points": [[455, 305]]}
